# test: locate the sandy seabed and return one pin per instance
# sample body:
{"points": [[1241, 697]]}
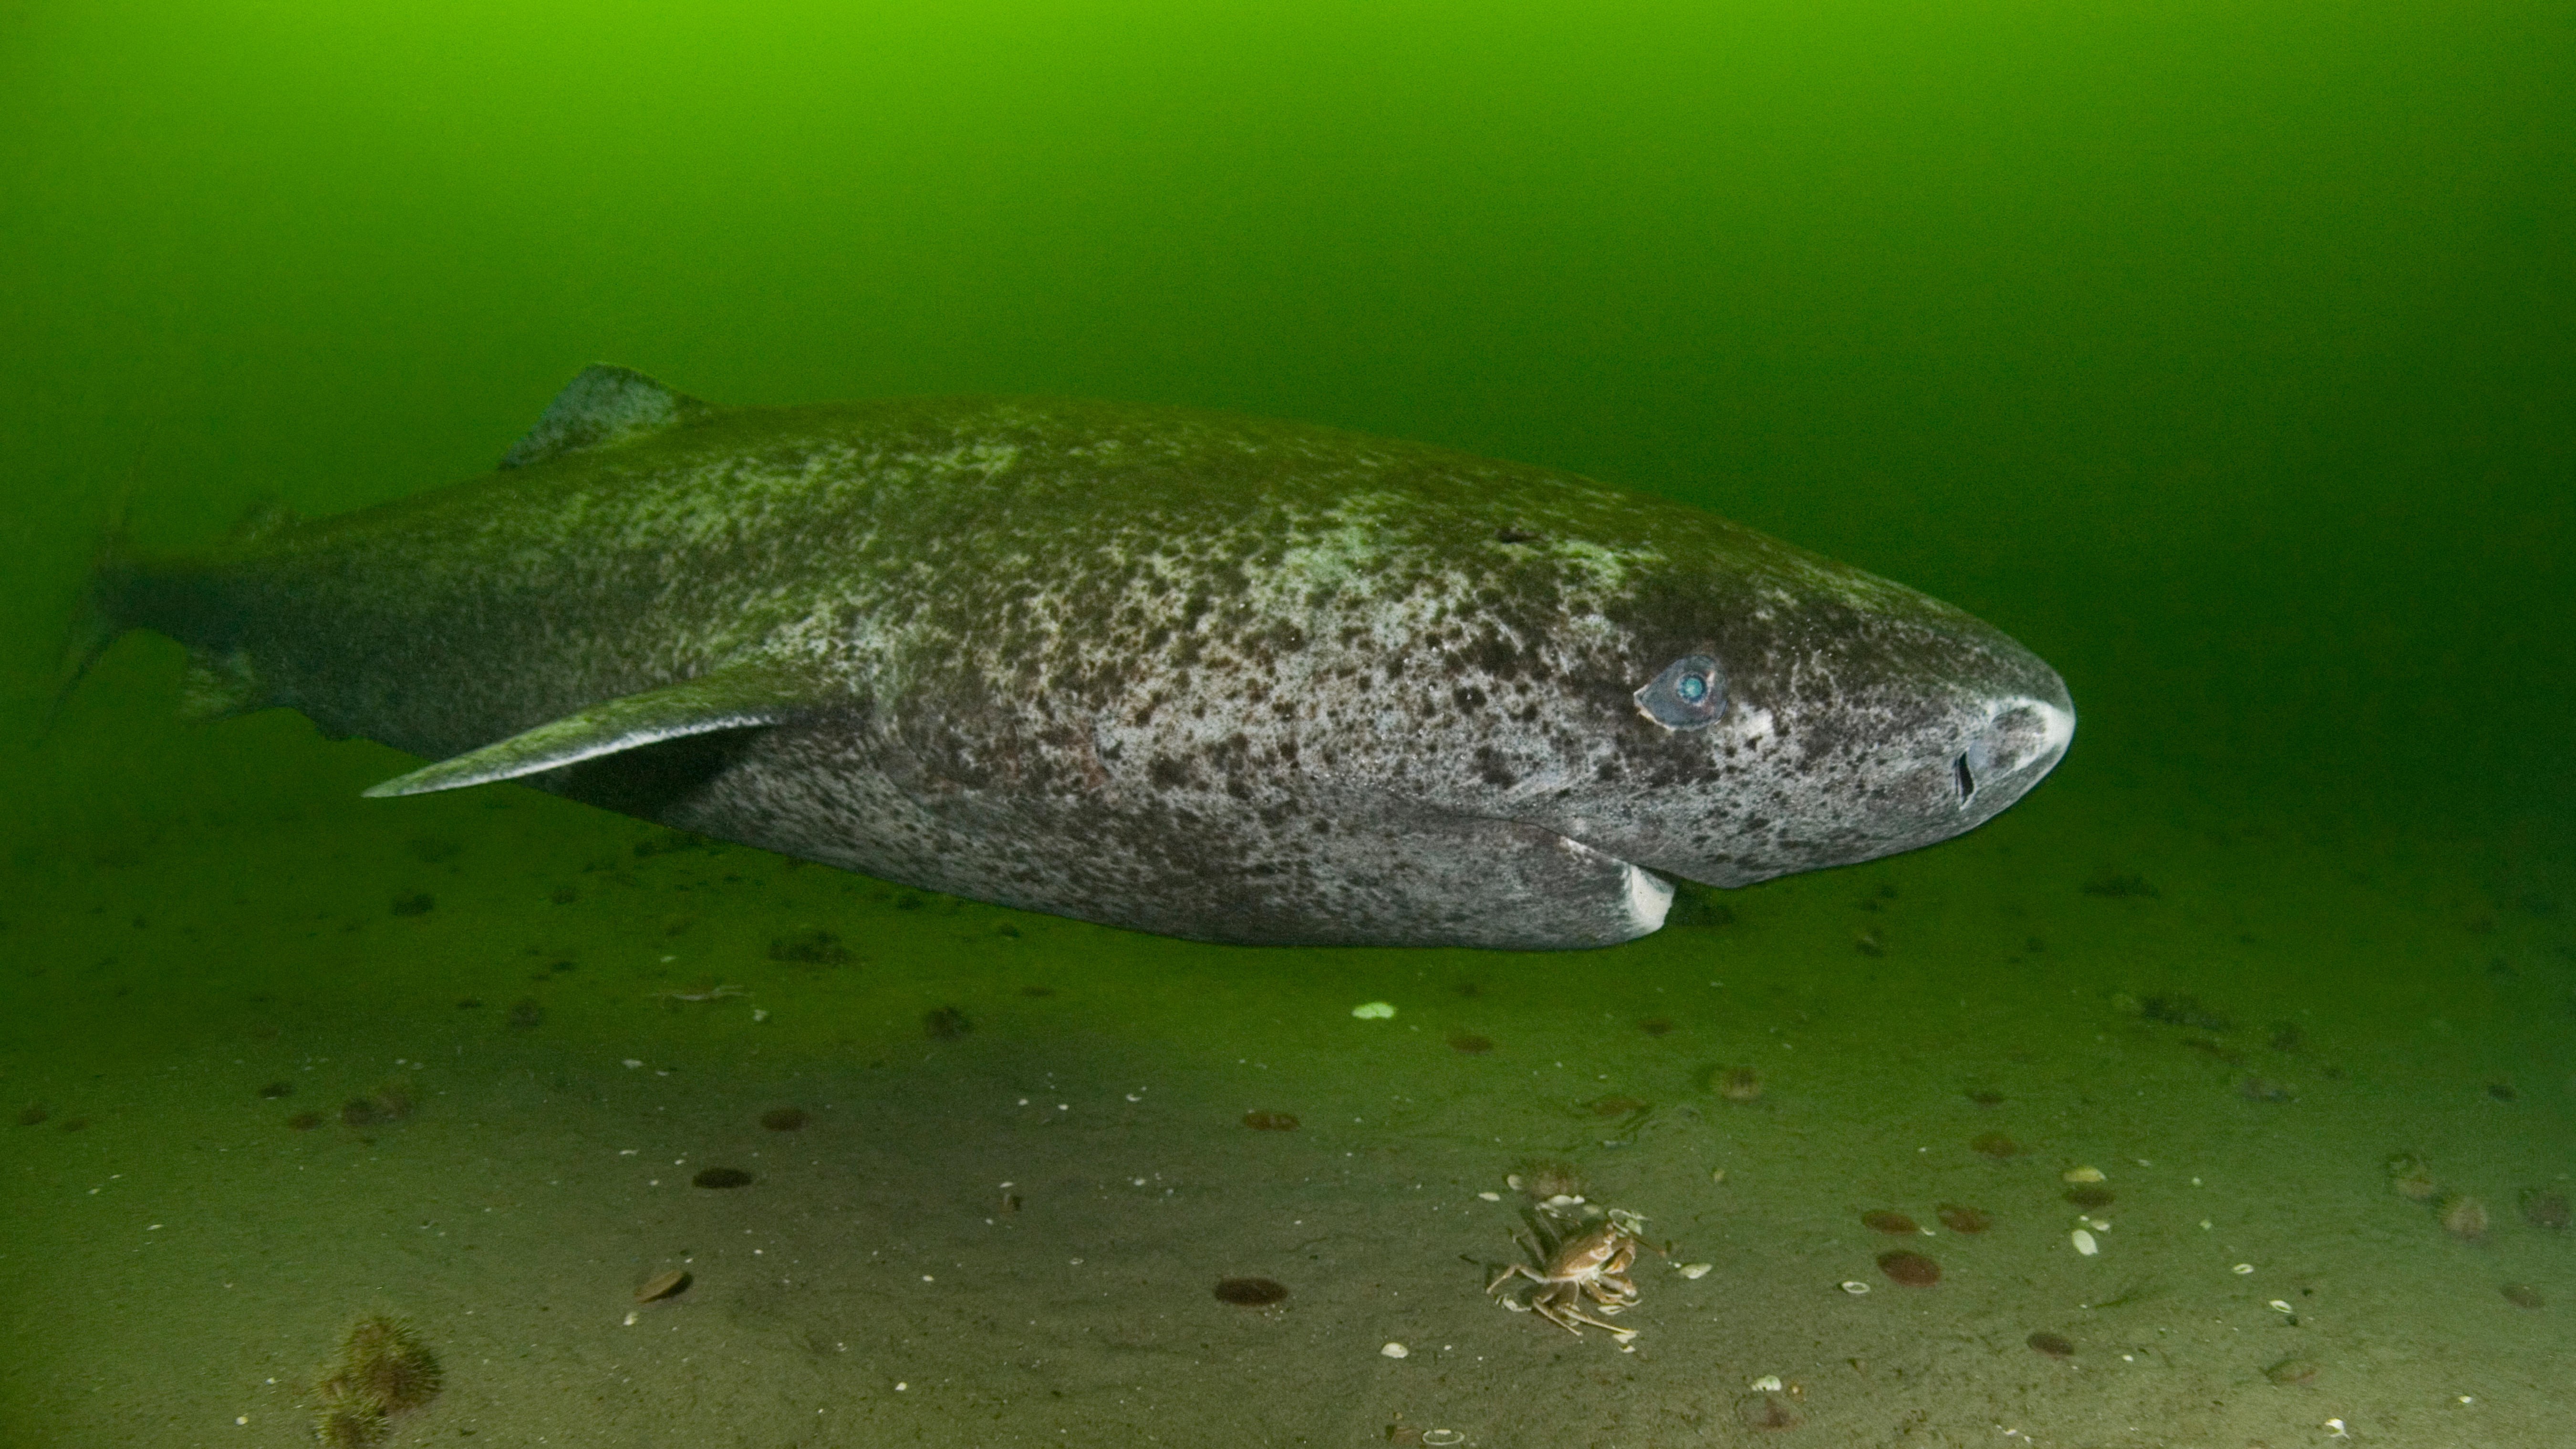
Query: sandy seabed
{"points": [[1024, 1163]]}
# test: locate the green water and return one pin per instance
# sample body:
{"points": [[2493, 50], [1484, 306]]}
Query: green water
{"points": [[2220, 353]]}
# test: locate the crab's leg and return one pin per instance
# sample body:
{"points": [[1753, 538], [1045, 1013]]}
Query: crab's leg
{"points": [[1575, 1312], [1560, 1315], [1614, 1293]]}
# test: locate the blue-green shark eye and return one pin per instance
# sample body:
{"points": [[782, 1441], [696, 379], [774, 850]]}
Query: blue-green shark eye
{"points": [[1688, 695]]}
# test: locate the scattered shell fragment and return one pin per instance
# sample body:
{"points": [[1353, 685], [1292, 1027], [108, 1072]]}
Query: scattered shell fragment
{"points": [[2083, 1242], [2463, 1216], [2242, 1269], [1854, 1287], [1491, 1196], [663, 1285], [2410, 1178], [2081, 1174], [1693, 1270], [1768, 1383], [1439, 1437], [1396, 1350], [1739, 1084], [1373, 1010]]}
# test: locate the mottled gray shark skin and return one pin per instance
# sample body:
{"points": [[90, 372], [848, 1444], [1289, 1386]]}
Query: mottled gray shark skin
{"points": [[1200, 675]]}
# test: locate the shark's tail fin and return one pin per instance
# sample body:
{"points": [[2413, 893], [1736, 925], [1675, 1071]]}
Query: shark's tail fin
{"points": [[177, 595], [100, 618]]}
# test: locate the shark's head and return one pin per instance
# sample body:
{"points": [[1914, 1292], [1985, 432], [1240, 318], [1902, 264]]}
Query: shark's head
{"points": [[1702, 701], [1815, 717]]}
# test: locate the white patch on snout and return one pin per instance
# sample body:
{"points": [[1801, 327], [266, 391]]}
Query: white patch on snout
{"points": [[1650, 896], [2061, 728], [2020, 745]]}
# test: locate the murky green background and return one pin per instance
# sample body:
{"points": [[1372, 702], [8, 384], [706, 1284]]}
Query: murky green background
{"points": [[2223, 353]]}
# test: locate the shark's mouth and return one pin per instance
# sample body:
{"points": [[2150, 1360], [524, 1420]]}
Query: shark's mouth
{"points": [[1644, 896], [1650, 896]]}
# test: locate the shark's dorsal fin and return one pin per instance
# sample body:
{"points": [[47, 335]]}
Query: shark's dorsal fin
{"points": [[738, 696], [603, 407]]}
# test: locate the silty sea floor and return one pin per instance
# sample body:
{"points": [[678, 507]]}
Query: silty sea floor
{"points": [[282, 1058]]}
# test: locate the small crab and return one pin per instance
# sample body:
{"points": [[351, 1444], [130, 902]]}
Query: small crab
{"points": [[1590, 1264]]}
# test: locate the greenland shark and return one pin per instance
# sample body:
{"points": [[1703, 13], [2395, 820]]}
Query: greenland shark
{"points": [[1187, 673]]}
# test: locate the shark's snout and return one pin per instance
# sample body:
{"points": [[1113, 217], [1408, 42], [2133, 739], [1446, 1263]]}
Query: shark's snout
{"points": [[2020, 741]]}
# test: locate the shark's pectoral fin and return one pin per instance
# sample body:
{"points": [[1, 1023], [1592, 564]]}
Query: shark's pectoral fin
{"points": [[740, 696]]}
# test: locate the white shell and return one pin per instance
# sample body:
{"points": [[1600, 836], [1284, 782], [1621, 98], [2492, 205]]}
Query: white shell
{"points": [[1396, 1350], [2083, 1242]]}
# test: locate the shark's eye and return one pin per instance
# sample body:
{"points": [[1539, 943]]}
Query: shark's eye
{"points": [[1688, 695]]}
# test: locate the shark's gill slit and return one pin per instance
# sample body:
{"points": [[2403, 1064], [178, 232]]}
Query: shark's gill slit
{"points": [[1967, 779]]}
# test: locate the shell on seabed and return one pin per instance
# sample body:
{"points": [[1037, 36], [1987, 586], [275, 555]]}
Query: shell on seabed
{"points": [[662, 1285], [2463, 1216]]}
